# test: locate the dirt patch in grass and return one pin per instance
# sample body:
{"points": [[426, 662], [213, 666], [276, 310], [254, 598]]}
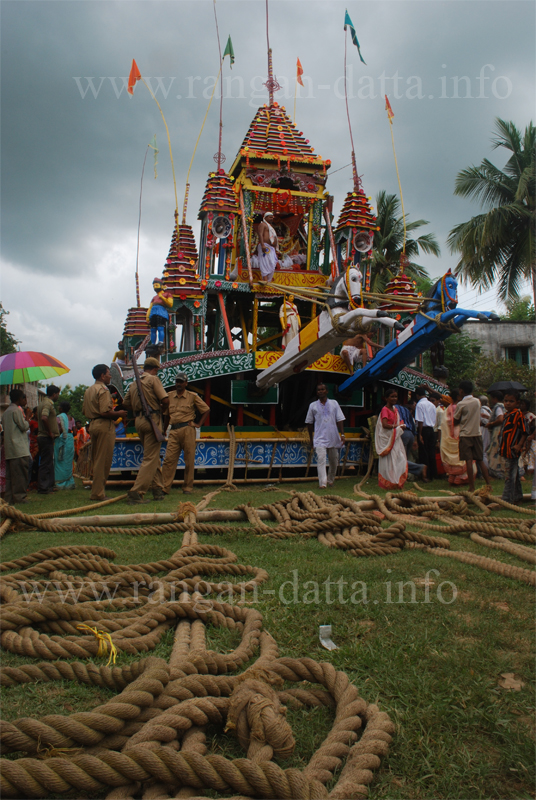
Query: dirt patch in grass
{"points": [[500, 606], [467, 640]]}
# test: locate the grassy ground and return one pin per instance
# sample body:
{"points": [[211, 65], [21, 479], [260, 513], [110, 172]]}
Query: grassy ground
{"points": [[433, 666]]}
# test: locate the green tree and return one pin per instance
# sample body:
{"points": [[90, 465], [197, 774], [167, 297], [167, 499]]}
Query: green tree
{"points": [[75, 397], [461, 357], [389, 241], [521, 310], [488, 370], [498, 245], [8, 343]]}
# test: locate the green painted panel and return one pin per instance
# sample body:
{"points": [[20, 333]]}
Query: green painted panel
{"points": [[247, 392]]}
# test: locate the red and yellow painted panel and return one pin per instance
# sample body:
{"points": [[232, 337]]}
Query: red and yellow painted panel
{"points": [[328, 363], [283, 279]]}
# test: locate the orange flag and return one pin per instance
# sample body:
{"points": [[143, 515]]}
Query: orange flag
{"points": [[133, 78], [299, 72], [390, 112]]}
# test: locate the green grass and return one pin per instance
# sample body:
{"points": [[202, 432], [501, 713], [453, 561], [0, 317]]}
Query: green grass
{"points": [[434, 667]]}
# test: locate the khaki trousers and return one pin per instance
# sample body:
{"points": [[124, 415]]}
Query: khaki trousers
{"points": [[102, 432], [150, 474], [182, 439]]}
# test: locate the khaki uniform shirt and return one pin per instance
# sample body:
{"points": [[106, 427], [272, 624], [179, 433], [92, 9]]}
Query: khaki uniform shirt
{"points": [[46, 409], [16, 443], [152, 389], [97, 401], [182, 407]]}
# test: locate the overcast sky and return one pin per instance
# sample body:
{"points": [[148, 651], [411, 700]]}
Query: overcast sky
{"points": [[73, 142]]}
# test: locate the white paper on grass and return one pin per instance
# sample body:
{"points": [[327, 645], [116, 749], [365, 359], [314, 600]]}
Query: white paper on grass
{"points": [[324, 633]]}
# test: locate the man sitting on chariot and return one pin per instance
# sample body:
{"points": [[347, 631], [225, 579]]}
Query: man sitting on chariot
{"points": [[354, 351]]}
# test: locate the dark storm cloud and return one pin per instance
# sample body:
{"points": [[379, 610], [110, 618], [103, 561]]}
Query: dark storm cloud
{"points": [[71, 164]]}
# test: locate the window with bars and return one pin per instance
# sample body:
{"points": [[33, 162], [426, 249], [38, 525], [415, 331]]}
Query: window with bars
{"points": [[518, 354]]}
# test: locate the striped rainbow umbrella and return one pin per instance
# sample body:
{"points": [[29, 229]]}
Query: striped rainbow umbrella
{"points": [[27, 367]]}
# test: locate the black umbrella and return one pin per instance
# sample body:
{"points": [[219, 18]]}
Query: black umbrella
{"points": [[507, 386]]}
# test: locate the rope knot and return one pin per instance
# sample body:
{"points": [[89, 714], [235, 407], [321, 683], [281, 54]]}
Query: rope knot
{"points": [[258, 718], [186, 508]]}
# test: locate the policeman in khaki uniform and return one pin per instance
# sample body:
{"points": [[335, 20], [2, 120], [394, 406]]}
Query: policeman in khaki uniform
{"points": [[98, 408], [150, 474], [182, 407]]}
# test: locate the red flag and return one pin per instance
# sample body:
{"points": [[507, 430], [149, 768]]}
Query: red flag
{"points": [[390, 112], [133, 78], [299, 72]]}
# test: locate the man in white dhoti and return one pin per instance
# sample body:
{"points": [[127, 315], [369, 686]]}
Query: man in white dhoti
{"points": [[290, 320], [325, 420], [268, 249]]}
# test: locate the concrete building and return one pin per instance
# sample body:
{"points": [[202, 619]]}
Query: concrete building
{"points": [[505, 340], [31, 390]]}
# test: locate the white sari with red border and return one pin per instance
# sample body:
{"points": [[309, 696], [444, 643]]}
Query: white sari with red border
{"points": [[393, 463]]}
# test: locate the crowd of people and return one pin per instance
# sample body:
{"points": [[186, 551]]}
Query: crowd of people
{"points": [[39, 446], [465, 436], [457, 435]]}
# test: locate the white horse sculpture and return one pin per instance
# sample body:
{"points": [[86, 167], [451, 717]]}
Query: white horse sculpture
{"points": [[344, 320]]}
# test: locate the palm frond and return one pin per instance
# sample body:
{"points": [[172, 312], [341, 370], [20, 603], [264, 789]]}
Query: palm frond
{"points": [[429, 244], [497, 248], [507, 135], [485, 183]]}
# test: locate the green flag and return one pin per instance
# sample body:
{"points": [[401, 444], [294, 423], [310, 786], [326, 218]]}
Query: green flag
{"points": [[229, 51], [348, 23]]}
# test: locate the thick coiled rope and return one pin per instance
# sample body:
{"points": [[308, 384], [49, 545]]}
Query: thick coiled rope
{"points": [[149, 740]]}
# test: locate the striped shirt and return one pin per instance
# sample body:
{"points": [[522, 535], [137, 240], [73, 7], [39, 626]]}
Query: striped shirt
{"points": [[512, 430]]}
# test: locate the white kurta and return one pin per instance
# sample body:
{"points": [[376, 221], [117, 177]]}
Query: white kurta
{"points": [[325, 417]]}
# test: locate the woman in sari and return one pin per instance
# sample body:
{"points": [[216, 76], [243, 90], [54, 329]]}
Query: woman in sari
{"points": [[450, 454], [64, 451], [393, 463], [495, 465], [527, 458]]}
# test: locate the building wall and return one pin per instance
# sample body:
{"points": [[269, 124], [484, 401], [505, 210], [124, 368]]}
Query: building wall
{"points": [[494, 338], [30, 390]]}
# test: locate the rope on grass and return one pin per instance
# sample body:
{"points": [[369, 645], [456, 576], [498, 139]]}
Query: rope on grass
{"points": [[491, 565], [130, 744], [500, 543]]}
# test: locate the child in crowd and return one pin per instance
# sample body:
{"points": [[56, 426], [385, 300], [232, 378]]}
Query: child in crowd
{"points": [[512, 438]]}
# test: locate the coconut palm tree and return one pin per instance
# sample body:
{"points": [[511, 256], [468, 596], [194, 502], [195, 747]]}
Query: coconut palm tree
{"points": [[389, 240], [498, 246]]}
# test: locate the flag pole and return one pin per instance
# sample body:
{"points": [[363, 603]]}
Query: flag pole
{"points": [[390, 118], [169, 144], [221, 90], [185, 205], [295, 94], [139, 224], [354, 167]]}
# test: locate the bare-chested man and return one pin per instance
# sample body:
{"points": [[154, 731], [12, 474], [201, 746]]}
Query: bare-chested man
{"points": [[354, 351], [268, 250]]}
